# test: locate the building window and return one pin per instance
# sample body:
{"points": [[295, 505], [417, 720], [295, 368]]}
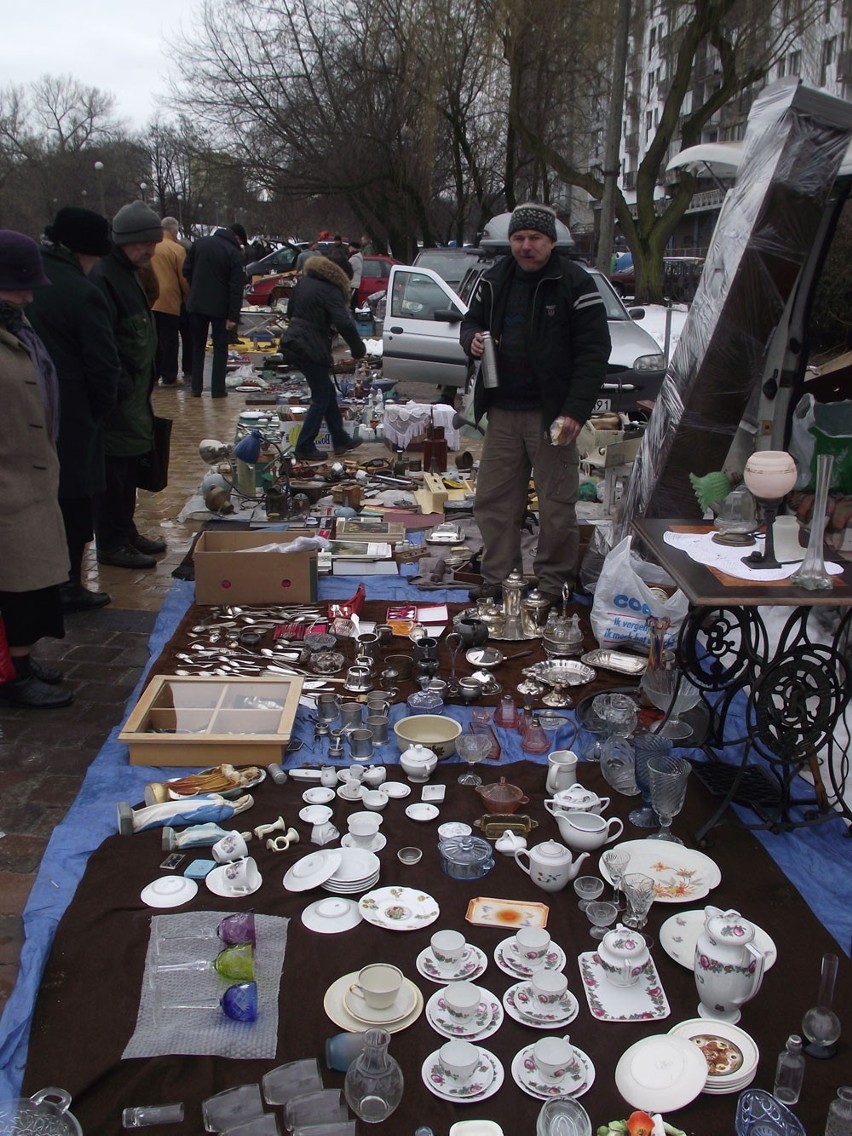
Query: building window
{"points": [[828, 55], [826, 15], [794, 63], [782, 69], [649, 124]]}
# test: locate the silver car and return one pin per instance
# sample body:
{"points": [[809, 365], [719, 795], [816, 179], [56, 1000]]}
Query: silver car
{"points": [[420, 340]]}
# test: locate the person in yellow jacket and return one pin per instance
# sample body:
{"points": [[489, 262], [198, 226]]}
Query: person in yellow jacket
{"points": [[174, 287]]}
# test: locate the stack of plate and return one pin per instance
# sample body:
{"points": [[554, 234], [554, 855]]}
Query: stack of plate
{"points": [[357, 871], [731, 1054]]}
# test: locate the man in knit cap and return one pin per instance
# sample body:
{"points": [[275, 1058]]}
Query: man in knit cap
{"points": [[128, 430], [548, 323]]}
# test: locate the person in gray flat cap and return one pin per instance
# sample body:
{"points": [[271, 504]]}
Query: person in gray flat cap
{"points": [[128, 429], [548, 323]]}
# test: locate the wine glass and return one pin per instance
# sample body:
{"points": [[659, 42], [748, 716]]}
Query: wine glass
{"points": [[236, 961], [672, 692], [587, 888], [615, 861], [601, 914], [472, 748], [646, 746], [239, 1003], [668, 776], [639, 891]]}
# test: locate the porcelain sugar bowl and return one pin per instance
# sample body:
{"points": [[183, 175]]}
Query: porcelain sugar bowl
{"points": [[728, 967], [418, 762], [623, 954]]}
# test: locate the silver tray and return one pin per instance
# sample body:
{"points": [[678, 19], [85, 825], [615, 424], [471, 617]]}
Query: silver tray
{"points": [[619, 661], [562, 672]]}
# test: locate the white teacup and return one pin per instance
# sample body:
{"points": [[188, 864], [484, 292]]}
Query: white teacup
{"points": [[363, 827], [378, 985], [553, 1057], [374, 799], [449, 949], [459, 1059], [356, 773], [230, 847], [547, 987], [462, 1001], [241, 877], [531, 945]]}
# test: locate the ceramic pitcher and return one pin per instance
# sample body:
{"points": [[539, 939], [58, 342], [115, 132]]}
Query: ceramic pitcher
{"points": [[728, 967], [549, 865], [561, 770]]}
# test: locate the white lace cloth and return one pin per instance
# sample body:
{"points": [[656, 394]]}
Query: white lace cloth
{"points": [[701, 548], [403, 422]]}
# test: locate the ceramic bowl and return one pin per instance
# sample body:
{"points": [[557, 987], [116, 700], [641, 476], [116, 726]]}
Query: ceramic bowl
{"points": [[431, 730], [374, 799]]}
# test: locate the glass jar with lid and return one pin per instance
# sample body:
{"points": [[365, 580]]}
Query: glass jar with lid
{"points": [[465, 857]]}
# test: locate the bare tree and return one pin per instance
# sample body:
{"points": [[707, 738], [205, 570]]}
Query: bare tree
{"points": [[70, 115]]}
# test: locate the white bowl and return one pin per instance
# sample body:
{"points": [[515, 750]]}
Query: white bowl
{"points": [[431, 730], [374, 799]]}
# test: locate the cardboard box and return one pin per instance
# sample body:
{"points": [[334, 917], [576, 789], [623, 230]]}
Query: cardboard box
{"points": [[226, 575]]}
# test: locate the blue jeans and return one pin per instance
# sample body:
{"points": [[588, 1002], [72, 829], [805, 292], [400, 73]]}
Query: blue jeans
{"points": [[323, 405]]}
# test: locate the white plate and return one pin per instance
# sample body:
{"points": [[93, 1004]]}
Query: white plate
{"points": [[400, 1008], [731, 1054], [399, 908], [485, 1082], [312, 870], [679, 934], [216, 881], [509, 961], [487, 1019], [433, 792], [331, 916], [356, 865], [466, 970], [643, 1002], [337, 1012], [680, 874], [661, 1073], [580, 1078], [420, 810], [396, 790], [318, 795], [376, 845], [520, 1007], [169, 891]]}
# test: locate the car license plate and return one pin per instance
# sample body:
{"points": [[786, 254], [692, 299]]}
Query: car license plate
{"points": [[601, 405]]}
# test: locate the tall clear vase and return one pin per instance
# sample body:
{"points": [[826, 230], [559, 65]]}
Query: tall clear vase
{"points": [[812, 574]]}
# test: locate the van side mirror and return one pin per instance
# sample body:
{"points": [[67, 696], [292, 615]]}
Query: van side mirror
{"points": [[450, 315]]}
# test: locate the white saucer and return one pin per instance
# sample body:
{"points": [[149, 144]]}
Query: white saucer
{"points": [[485, 1082], [318, 795], [396, 789], [378, 842], [466, 970], [312, 870], [331, 916], [337, 1012], [520, 1007], [169, 891], [421, 810], [644, 1001], [509, 962], [350, 792], [216, 882], [487, 1019], [662, 1073], [579, 1079], [402, 1006], [399, 908], [679, 934]]}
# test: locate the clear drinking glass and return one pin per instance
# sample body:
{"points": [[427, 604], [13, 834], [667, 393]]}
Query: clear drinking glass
{"points": [[601, 914], [587, 888], [472, 748], [646, 746], [672, 692], [615, 861], [668, 777], [639, 891]]}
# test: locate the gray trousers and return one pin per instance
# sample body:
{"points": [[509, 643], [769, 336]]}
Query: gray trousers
{"points": [[515, 448]]}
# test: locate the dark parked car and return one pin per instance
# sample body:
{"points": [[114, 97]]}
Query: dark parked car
{"points": [[680, 279]]}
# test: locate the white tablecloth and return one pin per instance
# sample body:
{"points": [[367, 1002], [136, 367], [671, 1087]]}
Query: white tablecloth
{"points": [[405, 421]]}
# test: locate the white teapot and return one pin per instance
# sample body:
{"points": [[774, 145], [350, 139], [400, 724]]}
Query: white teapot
{"points": [[623, 954], [418, 762], [728, 967], [550, 865]]}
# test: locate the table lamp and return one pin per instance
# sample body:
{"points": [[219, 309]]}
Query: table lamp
{"points": [[769, 476]]}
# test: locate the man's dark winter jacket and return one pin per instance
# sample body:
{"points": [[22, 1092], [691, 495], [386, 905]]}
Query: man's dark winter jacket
{"points": [[214, 269]]}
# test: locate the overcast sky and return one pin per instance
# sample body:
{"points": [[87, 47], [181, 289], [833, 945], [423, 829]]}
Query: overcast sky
{"points": [[120, 46]]}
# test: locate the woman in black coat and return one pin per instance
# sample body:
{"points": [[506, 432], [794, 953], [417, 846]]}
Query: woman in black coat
{"points": [[319, 306], [73, 321]]}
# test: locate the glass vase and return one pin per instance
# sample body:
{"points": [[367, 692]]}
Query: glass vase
{"points": [[374, 1081], [812, 574]]}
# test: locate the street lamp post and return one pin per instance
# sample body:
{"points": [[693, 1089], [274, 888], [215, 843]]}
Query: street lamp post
{"points": [[99, 170], [142, 188]]}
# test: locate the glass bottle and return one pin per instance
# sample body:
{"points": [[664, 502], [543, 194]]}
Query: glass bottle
{"points": [[820, 1025], [839, 1120], [812, 574], [374, 1081], [789, 1071]]}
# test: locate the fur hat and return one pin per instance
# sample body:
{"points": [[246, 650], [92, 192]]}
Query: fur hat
{"points": [[240, 233], [80, 230], [531, 215], [136, 224], [20, 263]]}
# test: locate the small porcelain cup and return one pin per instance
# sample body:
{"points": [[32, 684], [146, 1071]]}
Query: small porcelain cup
{"points": [[462, 1001], [531, 945], [374, 800], [547, 988], [449, 949], [230, 847], [459, 1059], [378, 985], [553, 1057], [241, 876], [363, 828], [356, 773]]}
